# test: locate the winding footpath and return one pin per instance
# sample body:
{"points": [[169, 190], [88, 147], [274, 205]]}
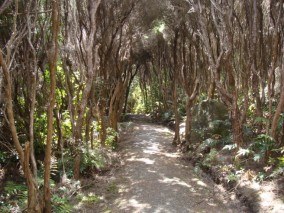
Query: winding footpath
{"points": [[154, 179]]}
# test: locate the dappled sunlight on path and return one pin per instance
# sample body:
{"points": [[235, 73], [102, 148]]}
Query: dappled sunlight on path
{"points": [[154, 179]]}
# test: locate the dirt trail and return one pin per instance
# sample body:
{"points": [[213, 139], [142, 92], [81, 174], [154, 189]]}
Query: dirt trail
{"points": [[155, 179]]}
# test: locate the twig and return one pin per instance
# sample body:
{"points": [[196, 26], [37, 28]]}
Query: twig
{"points": [[80, 189]]}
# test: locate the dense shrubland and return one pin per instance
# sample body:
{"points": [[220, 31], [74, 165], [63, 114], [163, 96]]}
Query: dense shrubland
{"points": [[71, 69]]}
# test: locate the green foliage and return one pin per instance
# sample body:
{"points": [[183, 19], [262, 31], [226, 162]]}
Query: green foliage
{"points": [[159, 26], [243, 152], [40, 127], [280, 122], [93, 159], [279, 170], [260, 177], [68, 162], [15, 196], [211, 158], [90, 198], [220, 127], [260, 120], [111, 138], [232, 177], [60, 204], [3, 157], [66, 124], [261, 146], [136, 100], [230, 147]]}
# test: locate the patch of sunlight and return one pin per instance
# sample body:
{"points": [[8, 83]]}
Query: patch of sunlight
{"points": [[139, 207], [144, 160], [162, 209], [212, 204], [255, 185], [175, 181], [163, 130], [152, 149], [267, 197], [199, 182], [171, 155]]}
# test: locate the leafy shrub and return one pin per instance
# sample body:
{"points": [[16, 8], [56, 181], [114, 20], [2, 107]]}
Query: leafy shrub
{"points": [[15, 197], [243, 152], [232, 177], [279, 170], [211, 158], [96, 159], [90, 198], [3, 157], [220, 127], [60, 204], [261, 147], [111, 138]]}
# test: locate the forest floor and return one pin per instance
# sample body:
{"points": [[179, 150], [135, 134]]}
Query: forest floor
{"points": [[154, 177]]}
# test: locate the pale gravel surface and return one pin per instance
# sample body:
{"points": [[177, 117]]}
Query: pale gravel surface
{"points": [[154, 179]]}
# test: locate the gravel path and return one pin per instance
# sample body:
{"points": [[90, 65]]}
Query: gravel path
{"points": [[154, 178]]}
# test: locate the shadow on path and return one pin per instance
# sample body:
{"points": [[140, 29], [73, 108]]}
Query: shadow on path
{"points": [[154, 179]]}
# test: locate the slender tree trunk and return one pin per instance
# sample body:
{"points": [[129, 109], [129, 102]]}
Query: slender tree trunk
{"points": [[103, 124], [176, 140], [52, 66], [188, 120], [236, 124], [255, 88], [59, 130], [189, 104], [89, 119], [212, 88], [33, 193], [128, 90], [279, 109]]}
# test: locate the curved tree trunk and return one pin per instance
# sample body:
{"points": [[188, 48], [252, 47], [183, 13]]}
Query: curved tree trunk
{"points": [[279, 109], [52, 66]]}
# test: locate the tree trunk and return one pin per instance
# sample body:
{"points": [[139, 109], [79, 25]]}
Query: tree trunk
{"points": [[33, 193], [255, 88], [279, 109], [52, 66], [89, 120], [103, 133], [212, 88], [59, 130], [236, 124], [189, 104], [188, 121], [176, 140]]}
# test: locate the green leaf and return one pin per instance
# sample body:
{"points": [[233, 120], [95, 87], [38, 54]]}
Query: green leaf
{"points": [[257, 157], [243, 152], [230, 147]]}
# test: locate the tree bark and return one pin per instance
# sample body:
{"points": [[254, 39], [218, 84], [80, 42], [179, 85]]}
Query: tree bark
{"points": [[279, 109], [52, 70]]}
